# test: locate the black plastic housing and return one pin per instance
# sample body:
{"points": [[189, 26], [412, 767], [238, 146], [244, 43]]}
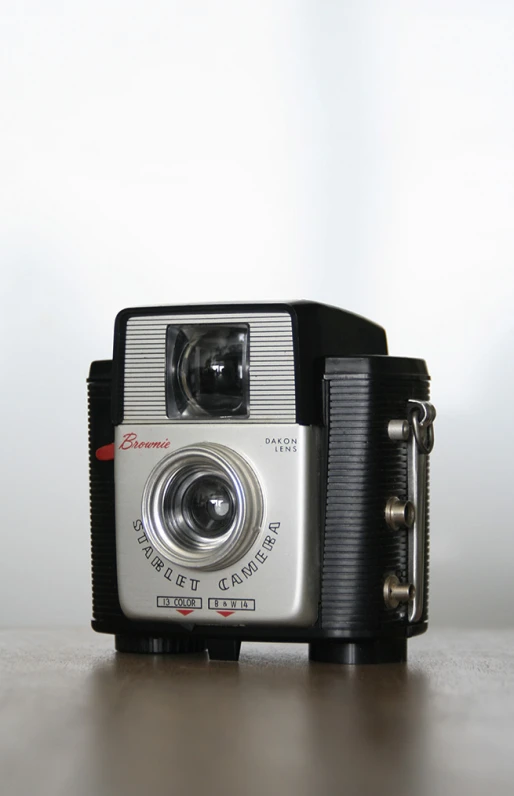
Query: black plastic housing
{"points": [[106, 606], [364, 468], [352, 398]]}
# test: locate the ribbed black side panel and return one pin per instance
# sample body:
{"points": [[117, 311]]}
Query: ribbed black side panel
{"points": [[364, 469], [101, 490]]}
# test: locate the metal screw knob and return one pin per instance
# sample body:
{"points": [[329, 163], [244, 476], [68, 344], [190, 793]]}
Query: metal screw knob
{"points": [[399, 513], [398, 430], [396, 592]]}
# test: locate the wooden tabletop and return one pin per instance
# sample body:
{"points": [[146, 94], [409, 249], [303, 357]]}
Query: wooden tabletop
{"points": [[78, 720]]}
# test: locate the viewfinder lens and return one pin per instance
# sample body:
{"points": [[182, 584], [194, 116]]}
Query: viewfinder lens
{"points": [[207, 371]]}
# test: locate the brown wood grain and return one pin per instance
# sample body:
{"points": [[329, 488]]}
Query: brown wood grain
{"points": [[77, 719]]}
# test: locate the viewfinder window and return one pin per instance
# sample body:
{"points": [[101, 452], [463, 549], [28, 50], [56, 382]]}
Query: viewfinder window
{"points": [[207, 371]]}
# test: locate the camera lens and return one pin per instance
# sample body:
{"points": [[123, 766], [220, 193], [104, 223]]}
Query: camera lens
{"points": [[212, 506], [202, 506], [207, 371], [204, 501]]}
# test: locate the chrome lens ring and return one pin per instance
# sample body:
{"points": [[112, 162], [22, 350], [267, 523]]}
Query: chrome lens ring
{"points": [[169, 521]]}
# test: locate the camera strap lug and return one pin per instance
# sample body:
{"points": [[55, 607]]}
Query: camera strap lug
{"points": [[418, 431]]}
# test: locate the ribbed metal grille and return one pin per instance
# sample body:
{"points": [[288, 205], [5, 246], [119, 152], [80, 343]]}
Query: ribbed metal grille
{"points": [[272, 385], [364, 469]]}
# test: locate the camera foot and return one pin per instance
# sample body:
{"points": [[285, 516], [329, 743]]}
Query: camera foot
{"points": [[158, 645], [393, 650], [224, 649]]}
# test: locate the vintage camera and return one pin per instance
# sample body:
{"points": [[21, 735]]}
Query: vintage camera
{"points": [[259, 472]]}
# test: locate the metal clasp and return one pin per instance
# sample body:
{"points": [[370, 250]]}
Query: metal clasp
{"points": [[418, 430], [423, 415]]}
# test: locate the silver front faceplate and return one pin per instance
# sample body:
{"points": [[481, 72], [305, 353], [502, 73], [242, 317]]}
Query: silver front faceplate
{"points": [[277, 579]]}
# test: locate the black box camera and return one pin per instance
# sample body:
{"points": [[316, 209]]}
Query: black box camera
{"points": [[259, 473]]}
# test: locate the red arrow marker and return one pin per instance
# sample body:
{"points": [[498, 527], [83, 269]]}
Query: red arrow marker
{"points": [[184, 612], [105, 453], [225, 613]]}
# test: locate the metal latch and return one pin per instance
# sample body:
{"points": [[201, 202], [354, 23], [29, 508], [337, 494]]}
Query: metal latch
{"points": [[418, 430]]}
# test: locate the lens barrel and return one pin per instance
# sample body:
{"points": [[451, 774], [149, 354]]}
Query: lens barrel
{"points": [[205, 501], [202, 506]]}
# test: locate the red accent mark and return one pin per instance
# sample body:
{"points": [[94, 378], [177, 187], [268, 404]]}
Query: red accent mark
{"points": [[225, 613], [184, 612], [105, 453]]}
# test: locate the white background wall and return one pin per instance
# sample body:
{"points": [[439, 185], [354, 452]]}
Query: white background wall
{"points": [[358, 152]]}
